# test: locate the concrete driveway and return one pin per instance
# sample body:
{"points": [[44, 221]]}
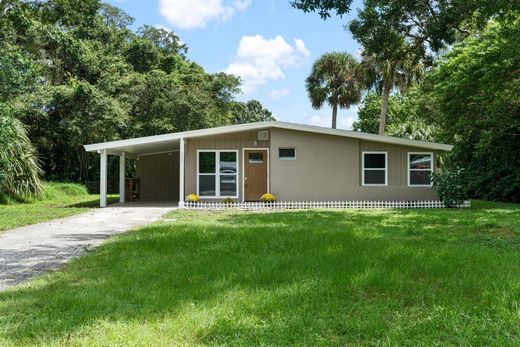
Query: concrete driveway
{"points": [[28, 251]]}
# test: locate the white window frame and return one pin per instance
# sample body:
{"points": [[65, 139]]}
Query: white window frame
{"points": [[363, 169], [217, 173], [408, 169], [293, 158]]}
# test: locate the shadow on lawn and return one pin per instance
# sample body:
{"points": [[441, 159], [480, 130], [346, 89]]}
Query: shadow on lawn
{"points": [[298, 277]]}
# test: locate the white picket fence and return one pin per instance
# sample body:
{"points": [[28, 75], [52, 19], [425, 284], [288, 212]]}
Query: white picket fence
{"points": [[301, 205]]}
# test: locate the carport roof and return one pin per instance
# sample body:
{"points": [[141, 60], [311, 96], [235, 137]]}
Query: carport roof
{"points": [[166, 142]]}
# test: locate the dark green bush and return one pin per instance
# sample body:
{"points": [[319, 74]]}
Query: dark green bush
{"points": [[451, 185]]}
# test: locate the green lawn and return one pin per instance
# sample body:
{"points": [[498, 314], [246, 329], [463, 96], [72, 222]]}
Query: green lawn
{"points": [[388, 277], [60, 200]]}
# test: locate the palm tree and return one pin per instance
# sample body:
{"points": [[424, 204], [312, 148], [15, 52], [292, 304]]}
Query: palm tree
{"points": [[336, 78], [386, 74], [20, 172]]}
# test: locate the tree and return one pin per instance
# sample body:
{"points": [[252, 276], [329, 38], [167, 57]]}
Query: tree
{"points": [[19, 167], [336, 78], [370, 109], [74, 73], [476, 87], [428, 26], [410, 115], [250, 112], [386, 74], [414, 129]]}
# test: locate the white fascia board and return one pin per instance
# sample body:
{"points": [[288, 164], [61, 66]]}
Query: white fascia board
{"points": [[364, 136], [177, 136], [265, 125]]}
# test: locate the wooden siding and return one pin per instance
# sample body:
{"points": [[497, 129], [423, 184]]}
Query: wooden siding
{"points": [[159, 174], [236, 141]]}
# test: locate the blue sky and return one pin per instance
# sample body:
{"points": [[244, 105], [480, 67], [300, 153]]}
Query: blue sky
{"points": [[268, 43]]}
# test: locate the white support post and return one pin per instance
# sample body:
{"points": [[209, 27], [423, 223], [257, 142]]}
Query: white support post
{"points": [[181, 173], [103, 179], [122, 176]]}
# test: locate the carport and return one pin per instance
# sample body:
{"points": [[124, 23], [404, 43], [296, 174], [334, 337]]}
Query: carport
{"points": [[156, 157]]}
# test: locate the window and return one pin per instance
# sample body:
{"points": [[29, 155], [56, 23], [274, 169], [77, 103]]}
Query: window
{"points": [[420, 167], [286, 153], [374, 169], [217, 174], [256, 158]]}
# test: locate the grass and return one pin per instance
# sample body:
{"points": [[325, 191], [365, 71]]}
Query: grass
{"points": [[60, 200], [329, 278]]}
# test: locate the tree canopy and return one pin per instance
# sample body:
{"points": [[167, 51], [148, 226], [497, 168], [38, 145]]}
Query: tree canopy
{"points": [[476, 88], [74, 73], [336, 79], [469, 99], [427, 26]]}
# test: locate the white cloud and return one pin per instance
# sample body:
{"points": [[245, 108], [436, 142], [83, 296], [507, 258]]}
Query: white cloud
{"points": [[259, 60], [344, 121], [320, 121], [192, 14], [300, 46], [277, 94]]}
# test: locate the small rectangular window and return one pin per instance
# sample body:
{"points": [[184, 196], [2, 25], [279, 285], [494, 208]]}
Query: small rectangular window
{"points": [[286, 153], [374, 169], [256, 158], [420, 168]]}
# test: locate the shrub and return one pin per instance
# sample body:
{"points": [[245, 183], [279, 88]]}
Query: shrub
{"points": [[20, 170], [192, 198], [227, 201], [268, 198], [451, 185], [54, 190]]}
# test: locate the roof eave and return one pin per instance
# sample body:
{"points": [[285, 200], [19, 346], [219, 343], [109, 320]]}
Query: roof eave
{"points": [[263, 125]]}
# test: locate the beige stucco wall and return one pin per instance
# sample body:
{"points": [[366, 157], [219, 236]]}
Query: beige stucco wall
{"points": [[159, 176], [329, 168], [236, 141]]}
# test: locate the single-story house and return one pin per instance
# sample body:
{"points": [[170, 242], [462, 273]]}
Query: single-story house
{"points": [[294, 162]]}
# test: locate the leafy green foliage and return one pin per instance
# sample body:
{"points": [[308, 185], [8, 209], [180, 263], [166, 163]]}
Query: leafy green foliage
{"points": [[250, 112], [451, 185], [384, 72], [323, 7], [74, 73], [410, 115], [337, 79], [19, 167], [476, 87], [413, 129], [425, 26]]}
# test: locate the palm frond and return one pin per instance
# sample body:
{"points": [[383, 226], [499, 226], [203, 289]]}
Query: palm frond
{"points": [[336, 78], [20, 172]]}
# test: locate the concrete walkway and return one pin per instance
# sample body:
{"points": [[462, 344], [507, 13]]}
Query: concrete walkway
{"points": [[28, 251]]}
